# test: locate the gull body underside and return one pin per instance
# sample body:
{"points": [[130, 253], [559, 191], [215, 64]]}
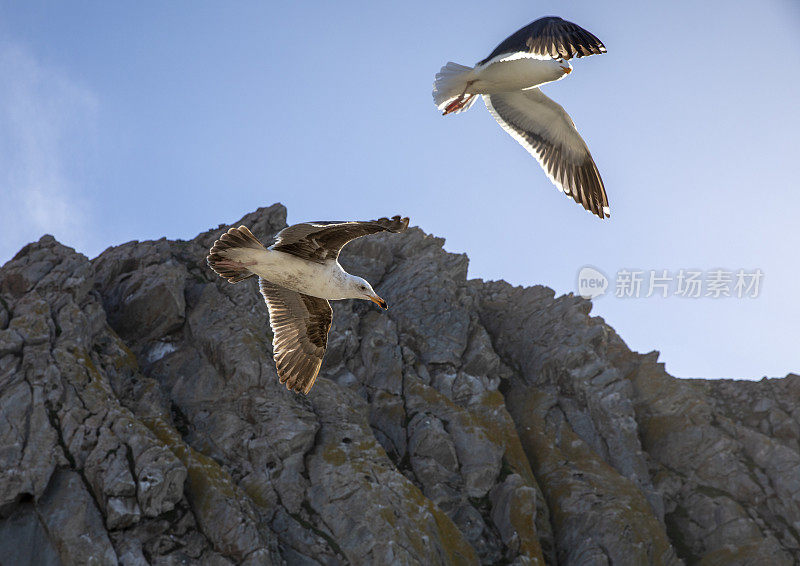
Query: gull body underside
{"points": [[286, 270], [505, 75], [501, 74]]}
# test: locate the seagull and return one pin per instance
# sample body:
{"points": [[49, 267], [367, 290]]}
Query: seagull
{"points": [[508, 80], [297, 276]]}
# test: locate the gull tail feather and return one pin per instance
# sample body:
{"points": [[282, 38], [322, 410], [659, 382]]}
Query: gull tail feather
{"points": [[222, 255], [449, 86]]}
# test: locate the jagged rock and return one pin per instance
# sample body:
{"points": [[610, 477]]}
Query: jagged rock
{"points": [[28, 444], [142, 423], [715, 475], [150, 304], [10, 342], [24, 540], [73, 522], [372, 512], [3, 316], [433, 458], [514, 509]]}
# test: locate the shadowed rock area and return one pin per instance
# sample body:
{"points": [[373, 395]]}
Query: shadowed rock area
{"points": [[142, 422]]}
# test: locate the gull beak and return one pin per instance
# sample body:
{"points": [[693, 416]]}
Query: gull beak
{"points": [[380, 302], [567, 70]]}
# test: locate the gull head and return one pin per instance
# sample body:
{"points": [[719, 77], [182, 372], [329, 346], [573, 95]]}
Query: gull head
{"points": [[361, 289]]}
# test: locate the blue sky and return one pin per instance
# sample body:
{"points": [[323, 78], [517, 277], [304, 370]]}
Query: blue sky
{"points": [[123, 121]]}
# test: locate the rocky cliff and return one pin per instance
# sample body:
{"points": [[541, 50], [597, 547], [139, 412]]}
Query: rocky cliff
{"points": [[141, 422]]}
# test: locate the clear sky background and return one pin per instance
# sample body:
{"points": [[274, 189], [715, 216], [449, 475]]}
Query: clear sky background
{"points": [[123, 121]]}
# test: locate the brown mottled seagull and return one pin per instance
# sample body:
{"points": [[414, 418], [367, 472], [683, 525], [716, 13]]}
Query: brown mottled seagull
{"points": [[297, 276], [508, 80]]}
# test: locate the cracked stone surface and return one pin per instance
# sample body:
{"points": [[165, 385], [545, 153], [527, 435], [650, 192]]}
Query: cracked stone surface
{"points": [[141, 422]]}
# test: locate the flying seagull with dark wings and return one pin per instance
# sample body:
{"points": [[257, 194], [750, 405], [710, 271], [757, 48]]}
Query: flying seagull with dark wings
{"points": [[297, 276], [508, 80]]}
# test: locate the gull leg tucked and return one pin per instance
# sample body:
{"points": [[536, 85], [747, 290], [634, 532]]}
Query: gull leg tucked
{"points": [[459, 104]]}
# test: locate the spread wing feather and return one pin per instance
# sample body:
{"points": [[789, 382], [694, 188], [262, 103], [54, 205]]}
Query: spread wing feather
{"points": [[545, 129], [321, 241], [550, 37], [300, 325]]}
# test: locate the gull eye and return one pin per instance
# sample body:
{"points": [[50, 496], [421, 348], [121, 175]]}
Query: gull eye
{"points": [[363, 288]]}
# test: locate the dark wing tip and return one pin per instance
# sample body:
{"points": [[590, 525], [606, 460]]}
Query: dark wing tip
{"points": [[550, 36], [395, 224], [603, 213], [589, 190], [301, 376], [562, 39]]}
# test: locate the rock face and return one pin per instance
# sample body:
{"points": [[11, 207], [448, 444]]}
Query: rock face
{"points": [[474, 422]]}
